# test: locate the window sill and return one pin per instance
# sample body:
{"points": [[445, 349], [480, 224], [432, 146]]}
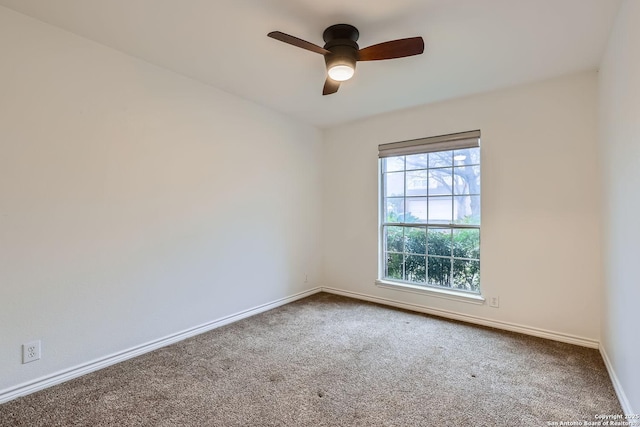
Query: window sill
{"points": [[438, 293]]}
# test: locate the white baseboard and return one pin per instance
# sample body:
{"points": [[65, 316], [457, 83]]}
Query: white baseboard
{"points": [[513, 327], [68, 374], [622, 397]]}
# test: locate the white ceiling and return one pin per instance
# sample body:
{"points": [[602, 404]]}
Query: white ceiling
{"points": [[471, 45]]}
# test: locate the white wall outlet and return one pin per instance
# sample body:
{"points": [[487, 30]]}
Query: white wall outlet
{"points": [[494, 302], [306, 278], [30, 351]]}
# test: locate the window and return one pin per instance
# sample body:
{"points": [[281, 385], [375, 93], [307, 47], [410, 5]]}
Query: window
{"points": [[430, 212]]}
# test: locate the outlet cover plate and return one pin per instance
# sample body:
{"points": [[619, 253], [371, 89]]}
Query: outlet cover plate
{"points": [[31, 351]]}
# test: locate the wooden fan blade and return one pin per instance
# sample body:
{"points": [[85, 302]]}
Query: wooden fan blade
{"points": [[330, 86], [297, 42], [392, 49]]}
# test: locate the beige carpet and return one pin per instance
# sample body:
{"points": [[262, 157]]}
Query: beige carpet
{"points": [[333, 361]]}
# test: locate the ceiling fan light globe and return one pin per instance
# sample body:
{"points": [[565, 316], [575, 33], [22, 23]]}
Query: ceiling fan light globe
{"points": [[341, 73]]}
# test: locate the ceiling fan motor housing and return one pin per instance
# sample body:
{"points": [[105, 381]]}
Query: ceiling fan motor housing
{"points": [[341, 42], [341, 55]]}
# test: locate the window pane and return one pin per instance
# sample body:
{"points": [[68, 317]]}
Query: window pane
{"points": [[439, 189], [466, 243], [415, 268], [415, 240], [393, 268], [417, 183], [416, 210], [466, 180], [439, 270], [466, 275], [468, 156], [466, 210], [440, 182], [439, 241], [417, 161], [394, 184], [394, 210], [440, 210], [393, 164], [394, 238], [440, 159]]}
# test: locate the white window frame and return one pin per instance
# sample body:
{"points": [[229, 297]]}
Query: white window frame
{"points": [[420, 146]]}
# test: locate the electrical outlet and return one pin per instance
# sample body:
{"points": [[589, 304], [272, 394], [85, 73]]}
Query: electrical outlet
{"points": [[306, 278], [494, 302], [31, 351]]}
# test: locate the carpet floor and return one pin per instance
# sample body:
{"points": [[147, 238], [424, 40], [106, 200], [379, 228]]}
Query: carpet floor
{"points": [[327, 360]]}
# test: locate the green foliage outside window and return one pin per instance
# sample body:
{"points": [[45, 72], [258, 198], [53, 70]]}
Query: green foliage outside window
{"points": [[423, 253]]}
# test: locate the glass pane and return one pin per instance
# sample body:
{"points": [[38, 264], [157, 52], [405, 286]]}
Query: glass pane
{"points": [[415, 240], [394, 184], [417, 161], [394, 210], [466, 210], [439, 270], [466, 243], [394, 238], [416, 209], [415, 268], [393, 164], [439, 241], [393, 267], [468, 156], [440, 210], [440, 182], [440, 159], [466, 180], [466, 275], [417, 183]]}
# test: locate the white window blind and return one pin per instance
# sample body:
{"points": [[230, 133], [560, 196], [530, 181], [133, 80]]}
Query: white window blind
{"points": [[454, 141]]}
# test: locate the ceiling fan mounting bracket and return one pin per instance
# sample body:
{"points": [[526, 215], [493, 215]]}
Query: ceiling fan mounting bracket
{"points": [[341, 31]]}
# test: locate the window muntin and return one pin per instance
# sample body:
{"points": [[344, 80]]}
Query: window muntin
{"points": [[430, 227]]}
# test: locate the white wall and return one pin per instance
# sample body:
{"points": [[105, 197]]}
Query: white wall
{"points": [[540, 203], [136, 203], [620, 149]]}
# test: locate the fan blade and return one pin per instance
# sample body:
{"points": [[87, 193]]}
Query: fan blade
{"points": [[297, 42], [330, 86], [392, 49]]}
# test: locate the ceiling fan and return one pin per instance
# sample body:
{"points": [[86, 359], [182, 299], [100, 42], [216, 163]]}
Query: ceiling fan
{"points": [[341, 52]]}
